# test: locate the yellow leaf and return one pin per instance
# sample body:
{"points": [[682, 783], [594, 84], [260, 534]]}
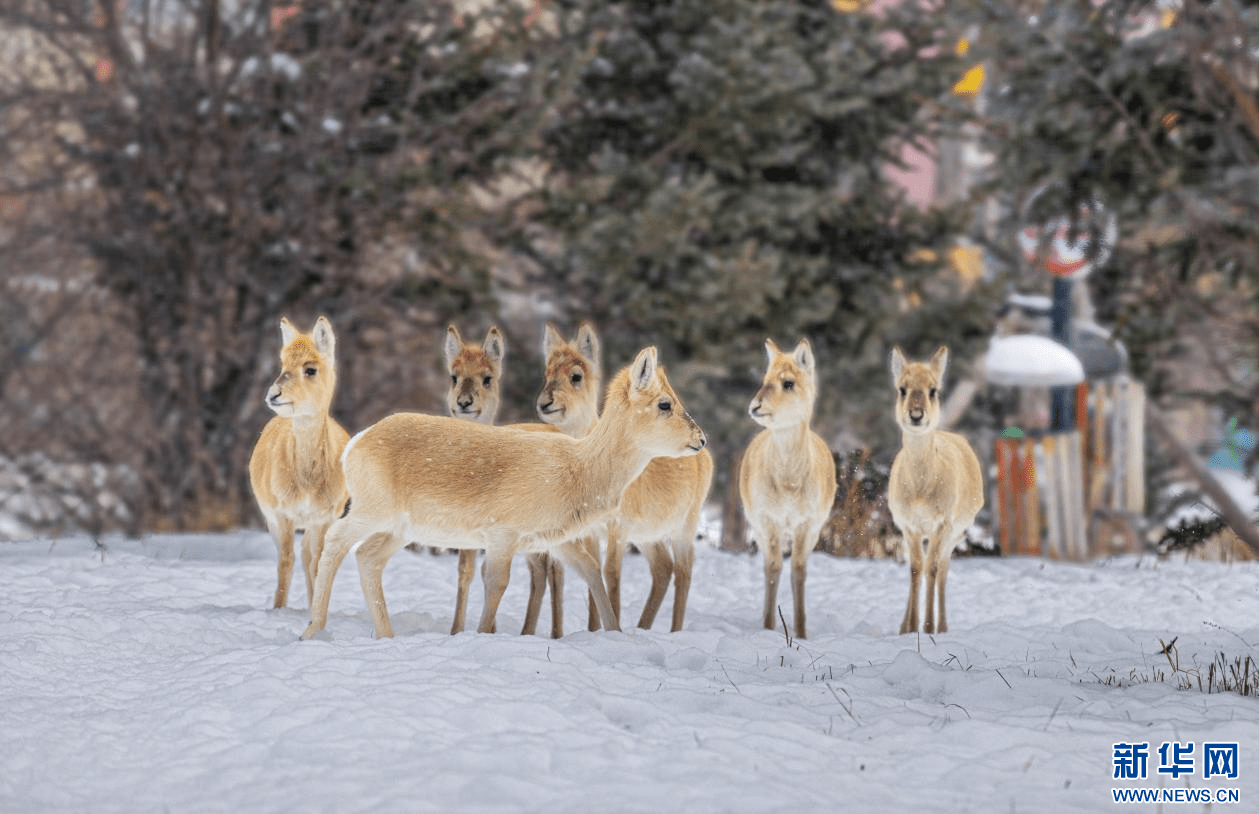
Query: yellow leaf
{"points": [[970, 84], [968, 262]]}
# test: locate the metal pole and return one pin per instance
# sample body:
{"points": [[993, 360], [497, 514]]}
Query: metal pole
{"points": [[1061, 399]]}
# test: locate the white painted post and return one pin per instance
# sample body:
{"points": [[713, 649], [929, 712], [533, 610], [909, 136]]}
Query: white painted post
{"points": [[1134, 484]]}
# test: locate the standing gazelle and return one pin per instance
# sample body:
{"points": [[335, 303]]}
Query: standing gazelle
{"points": [[474, 395], [567, 403], [295, 468], [466, 485], [475, 389], [935, 488], [659, 511], [474, 371], [787, 478]]}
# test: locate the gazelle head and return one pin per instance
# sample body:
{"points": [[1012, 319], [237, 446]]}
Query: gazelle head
{"points": [[641, 400], [570, 397], [474, 371], [308, 371], [918, 388], [789, 388]]}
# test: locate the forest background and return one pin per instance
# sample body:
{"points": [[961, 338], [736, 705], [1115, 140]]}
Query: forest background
{"points": [[175, 175]]}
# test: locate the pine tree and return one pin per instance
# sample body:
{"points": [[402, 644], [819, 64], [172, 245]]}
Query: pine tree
{"points": [[719, 178]]}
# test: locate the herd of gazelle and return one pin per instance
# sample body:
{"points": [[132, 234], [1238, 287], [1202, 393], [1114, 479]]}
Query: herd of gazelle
{"points": [[635, 472]]}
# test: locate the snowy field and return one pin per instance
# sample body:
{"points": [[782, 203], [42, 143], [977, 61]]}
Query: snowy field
{"points": [[149, 676]]}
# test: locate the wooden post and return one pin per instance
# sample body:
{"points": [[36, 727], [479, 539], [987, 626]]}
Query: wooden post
{"points": [[1101, 464], [1049, 488], [1084, 427], [1134, 441], [1119, 448], [1073, 491], [1029, 498], [1065, 480], [1002, 452], [1018, 478]]}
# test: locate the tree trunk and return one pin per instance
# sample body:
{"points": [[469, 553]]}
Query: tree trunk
{"points": [[734, 526], [1230, 512]]}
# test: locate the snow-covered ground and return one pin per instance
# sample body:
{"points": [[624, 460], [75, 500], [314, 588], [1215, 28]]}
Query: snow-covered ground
{"points": [[149, 676]]}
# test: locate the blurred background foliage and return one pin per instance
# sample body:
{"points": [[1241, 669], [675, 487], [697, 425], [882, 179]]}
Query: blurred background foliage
{"points": [[695, 174]]}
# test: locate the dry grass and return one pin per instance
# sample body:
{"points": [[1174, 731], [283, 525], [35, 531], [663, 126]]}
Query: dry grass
{"points": [[1224, 673]]}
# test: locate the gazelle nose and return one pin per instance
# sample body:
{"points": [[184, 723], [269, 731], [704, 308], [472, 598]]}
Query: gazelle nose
{"points": [[464, 403]]}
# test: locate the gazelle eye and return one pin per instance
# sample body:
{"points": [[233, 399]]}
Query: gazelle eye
{"points": [[902, 391], [310, 371], [454, 379], [789, 385], [486, 381], [576, 378], [933, 392], [665, 405]]}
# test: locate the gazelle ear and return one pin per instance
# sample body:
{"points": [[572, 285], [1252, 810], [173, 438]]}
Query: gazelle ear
{"points": [[325, 339], [588, 344], [939, 363], [803, 354], [452, 345], [898, 365], [495, 346], [287, 332], [643, 371], [551, 340], [771, 350]]}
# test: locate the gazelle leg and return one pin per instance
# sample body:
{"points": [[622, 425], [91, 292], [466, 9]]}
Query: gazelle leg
{"points": [[913, 550], [467, 570], [612, 569], [942, 578], [801, 546], [591, 545], [683, 566], [539, 566], [587, 566], [341, 537], [283, 531], [555, 578], [373, 555], [497, 571], [312, 550], [772, 548], [660, 562]]}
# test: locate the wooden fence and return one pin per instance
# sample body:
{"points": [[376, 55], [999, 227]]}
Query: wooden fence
{"points": [[1073, 495]]}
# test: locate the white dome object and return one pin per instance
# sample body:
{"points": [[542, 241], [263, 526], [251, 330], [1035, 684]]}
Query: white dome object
{"points": [[1026, 360]]}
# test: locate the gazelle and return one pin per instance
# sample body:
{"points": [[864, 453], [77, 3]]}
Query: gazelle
{"points": [[295, 468], [471, 486], [787, 477], [474, 395], [474, 375], [660, 514], [659, 511], [568, 403], [935, 488]]}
